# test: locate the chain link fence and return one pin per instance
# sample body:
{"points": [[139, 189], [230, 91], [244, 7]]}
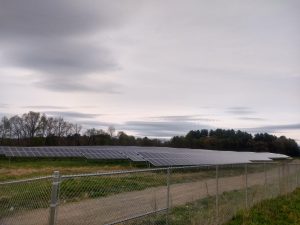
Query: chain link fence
{"points": [[164, 196]]}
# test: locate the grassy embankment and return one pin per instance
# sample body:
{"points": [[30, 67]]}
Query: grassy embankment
{"points": [[21, 168], [203, 211], [284, 210]]}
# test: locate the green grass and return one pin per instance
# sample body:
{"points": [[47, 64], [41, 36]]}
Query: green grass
{"points": [[203, 211], [284, 210], [29, 167], [20, 168]]}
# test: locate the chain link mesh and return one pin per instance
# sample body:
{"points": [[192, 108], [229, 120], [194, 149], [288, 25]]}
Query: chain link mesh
{"points": [[167, 196], [25, 202], [107, 199], [231, 191]]}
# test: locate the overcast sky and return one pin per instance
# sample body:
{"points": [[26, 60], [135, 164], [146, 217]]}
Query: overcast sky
{"points": [[154, 68]]}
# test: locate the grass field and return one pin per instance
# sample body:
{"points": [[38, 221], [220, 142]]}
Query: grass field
{"points": [[21, 168], [29, 167], [284, 210]]}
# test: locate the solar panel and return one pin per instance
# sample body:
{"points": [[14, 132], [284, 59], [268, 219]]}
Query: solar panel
{"points": [[158, 156], [2, 151], [41, 152], [200, 158], [103, 154], [134, 156]]}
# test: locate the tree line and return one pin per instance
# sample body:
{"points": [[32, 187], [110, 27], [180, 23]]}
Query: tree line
{"points": [[36, 129], [237, 141]]}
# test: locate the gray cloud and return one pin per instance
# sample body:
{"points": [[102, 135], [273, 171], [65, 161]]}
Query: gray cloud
{"points": [[41, 18], [53, 39], [44, 107], [162, 128], [240, 110], [251, 118], [3, 106], [95, 124], [71, 114], [275, 128], [57, 57], [68, 85], [186, 118]]}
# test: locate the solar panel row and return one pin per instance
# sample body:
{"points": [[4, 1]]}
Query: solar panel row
{"points": [[158, 156], [104, 154]]}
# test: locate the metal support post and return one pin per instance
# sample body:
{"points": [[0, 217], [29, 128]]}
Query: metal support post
{"points": [[265, 172], [54, 198], [296, 174], [217, 194], [288, 179], [279, 184], [297, 171], [168, 195], [246, 185]]}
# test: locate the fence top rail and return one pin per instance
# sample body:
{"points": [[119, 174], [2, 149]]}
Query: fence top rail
{"points": [[26, 180]]}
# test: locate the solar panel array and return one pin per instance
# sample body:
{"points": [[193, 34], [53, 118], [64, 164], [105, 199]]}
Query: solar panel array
{"points": [[157, 156], [104, 154], [41, 152], [2, 151], [201, 158]]}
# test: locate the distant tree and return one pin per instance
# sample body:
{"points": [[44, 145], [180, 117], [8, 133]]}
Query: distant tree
{"points": [[33, 128], [111, 130], [77, 128], [17, 126], [124, 139], [31, 122], [6, 127], [42, 131]]}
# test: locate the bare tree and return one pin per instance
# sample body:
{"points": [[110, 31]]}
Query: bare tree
{"points": [[94, 132], [58, 126], [5, 127], [68, 129], [43, 124], [17, 127], [2, 130], [111, 130], [77, 128], [31, 123], [50, 127]]}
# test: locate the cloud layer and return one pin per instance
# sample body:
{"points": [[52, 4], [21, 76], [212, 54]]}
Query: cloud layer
{"points": [[275, 128], [56, 40], [155, 68]]}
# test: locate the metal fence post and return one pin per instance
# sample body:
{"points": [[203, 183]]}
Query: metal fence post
{"points": [[265, 172], [217, 194], [288, 179], [246, 185], [168, 195], [279, 184], [295, 176], [54, 198], [297, 171]]}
